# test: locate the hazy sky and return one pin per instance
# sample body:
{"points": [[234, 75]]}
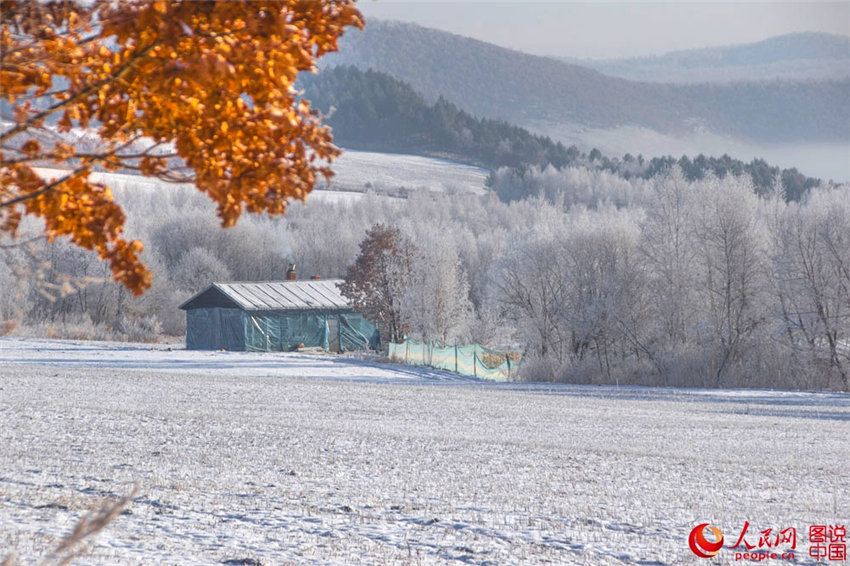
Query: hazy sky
{"points": [[603, 29]]}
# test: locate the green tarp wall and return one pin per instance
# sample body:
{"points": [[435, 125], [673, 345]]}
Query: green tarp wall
{"points": [[278, 331], [475, 360]]}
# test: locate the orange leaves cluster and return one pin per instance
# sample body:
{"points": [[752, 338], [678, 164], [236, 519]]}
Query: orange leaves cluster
{"points": [[213, 80]]}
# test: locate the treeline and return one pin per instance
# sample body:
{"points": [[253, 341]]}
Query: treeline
{"points": [[370, 110], [514, 183], [691, 283]]}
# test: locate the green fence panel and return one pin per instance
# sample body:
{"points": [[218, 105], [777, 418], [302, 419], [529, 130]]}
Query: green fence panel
{"points": [[397, 353], [474, 360], [444, 358], [416, 353]]}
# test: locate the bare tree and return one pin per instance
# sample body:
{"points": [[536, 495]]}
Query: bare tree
{"points": [[528, 285], [810, 269], [731, 263], [669, 250], [605, 289], [436, 301], [376, 283]]}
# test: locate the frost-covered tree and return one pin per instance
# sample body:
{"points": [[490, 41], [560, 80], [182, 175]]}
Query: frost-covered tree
{"points": [[199, 268], [668, 248], [528, 287], [730, 284], [322, 244], [606, 306], [566, 187], [811, 272], [245, 250], [435, 304], [573, 288]]}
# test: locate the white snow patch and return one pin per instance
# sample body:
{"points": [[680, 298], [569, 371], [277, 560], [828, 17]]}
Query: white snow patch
{"points": [[363, 170], [356, 172]]}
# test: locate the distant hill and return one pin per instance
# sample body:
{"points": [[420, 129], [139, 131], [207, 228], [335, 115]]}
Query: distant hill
{"points": [[373, 111], [494, 82], [798, 56]]}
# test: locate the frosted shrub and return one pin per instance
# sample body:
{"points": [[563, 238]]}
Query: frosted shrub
{"points": [[435, 304], [74, 327], [137, 329], [197, 269], [539, 368]]}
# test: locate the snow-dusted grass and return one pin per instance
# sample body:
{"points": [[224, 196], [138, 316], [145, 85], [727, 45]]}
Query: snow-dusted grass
{"points": [[309, 459]]}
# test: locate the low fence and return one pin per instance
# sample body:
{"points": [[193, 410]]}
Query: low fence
{"points": [[474, 360]]}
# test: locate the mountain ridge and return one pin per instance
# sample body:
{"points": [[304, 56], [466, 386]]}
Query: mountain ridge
{"points": [[496, 82], [795, 56]]}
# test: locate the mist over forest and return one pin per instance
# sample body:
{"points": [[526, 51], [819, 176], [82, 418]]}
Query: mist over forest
{"points": [[371, 110], [788, 118]]}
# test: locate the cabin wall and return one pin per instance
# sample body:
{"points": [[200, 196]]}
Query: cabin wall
{"points": [[288, 330], [215, 329], [218, 328]]}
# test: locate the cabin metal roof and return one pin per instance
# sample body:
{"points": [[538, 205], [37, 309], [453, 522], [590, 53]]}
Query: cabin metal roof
{"points": [[319, 294]]}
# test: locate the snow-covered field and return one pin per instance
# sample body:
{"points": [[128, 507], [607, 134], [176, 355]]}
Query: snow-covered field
{"points": [[287, 458], [355, 172], [362, 170]]}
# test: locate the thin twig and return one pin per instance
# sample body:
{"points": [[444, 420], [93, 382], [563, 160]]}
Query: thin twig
{"points": [[21, 243], [121, 71], [89, 526], [44, 189]]}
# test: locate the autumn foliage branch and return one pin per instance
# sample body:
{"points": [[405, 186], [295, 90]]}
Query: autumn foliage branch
{"points": [[208, 82]]}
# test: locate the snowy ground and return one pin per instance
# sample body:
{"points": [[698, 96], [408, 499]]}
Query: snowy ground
{"points": [[355, 172], [365, 170], [280, 459]]}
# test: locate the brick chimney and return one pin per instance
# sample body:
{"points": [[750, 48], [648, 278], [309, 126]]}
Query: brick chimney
{"points": [[290, 273]]}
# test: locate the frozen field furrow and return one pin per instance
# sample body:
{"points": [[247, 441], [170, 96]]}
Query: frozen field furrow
{"points": [[296, 459]]}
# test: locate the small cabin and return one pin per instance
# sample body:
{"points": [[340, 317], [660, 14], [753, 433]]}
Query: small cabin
{"points": [[276, 316]]}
